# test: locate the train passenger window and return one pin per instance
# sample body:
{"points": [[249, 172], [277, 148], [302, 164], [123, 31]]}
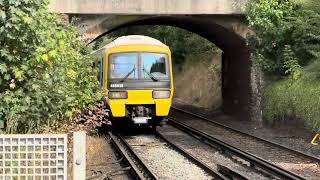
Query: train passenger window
{"points": [[122, 65], [100, 70], [155, 64]]}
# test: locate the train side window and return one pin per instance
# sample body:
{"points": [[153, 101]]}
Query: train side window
{"points": [[100, 71]]}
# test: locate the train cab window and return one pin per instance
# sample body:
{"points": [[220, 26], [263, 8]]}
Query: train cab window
{"points": [[154, 64], [100, 71], [123, 65]]}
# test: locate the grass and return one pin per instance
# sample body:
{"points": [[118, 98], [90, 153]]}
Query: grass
{"points": [[295, 100]]}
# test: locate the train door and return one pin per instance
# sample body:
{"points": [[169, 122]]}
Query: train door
{"points": [[100, 70]]}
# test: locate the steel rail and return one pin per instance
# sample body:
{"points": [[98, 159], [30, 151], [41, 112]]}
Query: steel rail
{"points": [[252, 159], [191, 158], [308, 156], [135, 162], [230, 173]]}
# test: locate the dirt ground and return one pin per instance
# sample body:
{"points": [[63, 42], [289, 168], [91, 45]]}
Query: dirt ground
{"points": [[102, 161]]}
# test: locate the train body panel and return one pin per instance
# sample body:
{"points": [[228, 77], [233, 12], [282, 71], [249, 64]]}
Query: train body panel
{"points": [[136, 76], [139, 97]]}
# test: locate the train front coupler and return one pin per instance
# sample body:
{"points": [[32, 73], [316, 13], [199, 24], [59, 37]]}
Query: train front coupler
{"points": [[140, 114]]}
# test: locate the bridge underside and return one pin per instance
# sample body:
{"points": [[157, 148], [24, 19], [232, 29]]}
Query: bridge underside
{"points": [[226, 32]]}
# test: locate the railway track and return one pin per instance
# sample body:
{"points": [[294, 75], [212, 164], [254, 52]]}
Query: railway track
{"points": [[196, 124], [254, 161], [141, 169], [142, 162], [222, 173], [308, 156], [138, 168]]}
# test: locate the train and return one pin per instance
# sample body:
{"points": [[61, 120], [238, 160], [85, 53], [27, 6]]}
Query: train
{"points": [[135, 74]]}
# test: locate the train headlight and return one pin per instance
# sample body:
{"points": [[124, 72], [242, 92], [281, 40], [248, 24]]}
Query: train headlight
{"points": [[118, 95], [161, 94]]}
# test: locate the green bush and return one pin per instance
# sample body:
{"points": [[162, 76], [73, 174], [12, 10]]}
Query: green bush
{"points": [[43, 75], [298, 99], [285, 30]]}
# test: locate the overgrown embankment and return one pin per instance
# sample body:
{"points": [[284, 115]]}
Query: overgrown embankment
{"points": [[295, 101], [44, 77], [198, 82], [286, 46]]}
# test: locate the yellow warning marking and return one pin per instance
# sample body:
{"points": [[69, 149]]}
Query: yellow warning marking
{"points": [[316, 139]]}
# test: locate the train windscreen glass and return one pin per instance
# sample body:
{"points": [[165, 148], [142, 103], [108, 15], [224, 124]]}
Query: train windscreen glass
{"points": [[138, 65], [154, 65], [123, 65]]}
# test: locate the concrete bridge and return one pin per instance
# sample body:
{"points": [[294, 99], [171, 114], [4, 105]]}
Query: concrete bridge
{"points": [[220, 21], [151, 7], [96, 16]]}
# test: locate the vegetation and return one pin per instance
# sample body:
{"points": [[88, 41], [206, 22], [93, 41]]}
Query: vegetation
{"points": [[287, 36], [296, 99], [287, 43], [43, 76]]}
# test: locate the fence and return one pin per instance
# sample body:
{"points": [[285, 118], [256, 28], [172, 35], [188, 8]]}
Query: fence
{"points": [[36, 157]]}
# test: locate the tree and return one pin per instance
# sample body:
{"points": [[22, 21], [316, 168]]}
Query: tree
{"points": [[287, 35], [43, 75]]}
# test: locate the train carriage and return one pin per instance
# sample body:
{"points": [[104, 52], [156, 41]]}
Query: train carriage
{"points": [[135, 73]]}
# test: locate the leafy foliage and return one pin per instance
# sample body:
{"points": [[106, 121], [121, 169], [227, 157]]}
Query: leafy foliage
{"points": [[43, 76], [287, 35]]}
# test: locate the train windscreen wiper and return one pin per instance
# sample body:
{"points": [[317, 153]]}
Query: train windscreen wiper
{"points": [[150, 75], [127, 75]]}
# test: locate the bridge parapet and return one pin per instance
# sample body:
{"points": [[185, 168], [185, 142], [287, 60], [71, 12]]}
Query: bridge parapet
{"points": [[148, 7]]}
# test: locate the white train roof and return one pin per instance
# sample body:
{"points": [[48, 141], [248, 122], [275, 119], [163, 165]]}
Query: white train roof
{"points": [[134, 40]]}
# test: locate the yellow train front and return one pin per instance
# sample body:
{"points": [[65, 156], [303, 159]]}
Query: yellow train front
{"points": [[136, 75]]}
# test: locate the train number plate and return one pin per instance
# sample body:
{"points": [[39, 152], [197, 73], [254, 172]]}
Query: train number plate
{"points": [[116, 85]]}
